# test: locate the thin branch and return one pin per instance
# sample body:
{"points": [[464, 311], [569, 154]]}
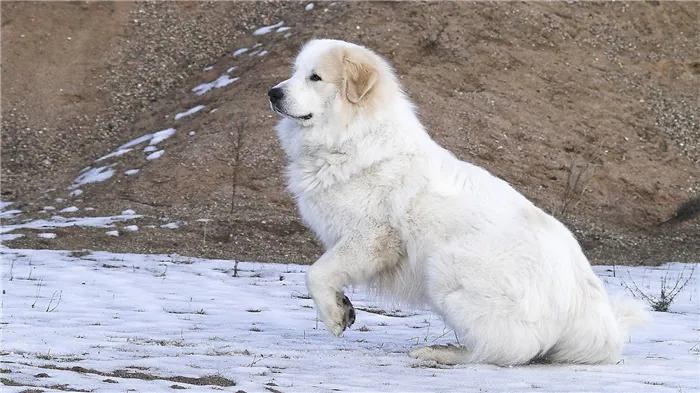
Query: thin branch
{"points": [[237, 147], [48, 308]]}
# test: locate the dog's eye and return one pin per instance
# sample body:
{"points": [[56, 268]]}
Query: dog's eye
{"points": [[314, 78]]}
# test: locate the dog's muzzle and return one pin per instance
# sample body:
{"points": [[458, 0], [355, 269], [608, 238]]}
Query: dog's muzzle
{"points": [[276, 95]]}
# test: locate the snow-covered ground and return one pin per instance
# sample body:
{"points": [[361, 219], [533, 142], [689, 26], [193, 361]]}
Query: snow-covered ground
{"points": [[107, 322]]}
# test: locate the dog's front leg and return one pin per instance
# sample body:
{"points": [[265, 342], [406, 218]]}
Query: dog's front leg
{"points": [[354, 260]]}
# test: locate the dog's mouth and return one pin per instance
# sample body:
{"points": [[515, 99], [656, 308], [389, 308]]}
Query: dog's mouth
{"points": [[279, 111]]}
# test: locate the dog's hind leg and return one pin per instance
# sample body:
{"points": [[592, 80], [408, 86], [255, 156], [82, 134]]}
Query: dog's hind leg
{"points": [[494, 321], [443, 354], [488, 336]]}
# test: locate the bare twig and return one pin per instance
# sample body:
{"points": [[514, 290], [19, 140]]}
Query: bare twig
{"points": [[48, 308], [255, 361], [237, 147], [577, 182], [430, 318], [205, 229], [575, 186], [445, 332], [39, 283]]}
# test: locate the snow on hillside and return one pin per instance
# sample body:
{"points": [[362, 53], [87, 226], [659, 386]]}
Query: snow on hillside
{"points": [[107, 322], [102, 173], [63, 222]]}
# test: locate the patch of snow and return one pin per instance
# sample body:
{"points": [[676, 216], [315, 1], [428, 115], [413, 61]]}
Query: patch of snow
{"points": [[208, 68], [263, 53], [230, 70], [128, 212], [94, 175], [131, 228], [267, 29], [4, 205], [222, 81], [203, 220], [71, 209], [253, 53], [160, 136], [90, 208], [170, 225], [191, 317], [76, 192], [59, 200], [136, 141], [149, 148], [6, 237], [112, 233], [191, 133], [116, 153], [47, 235], [257, 45], [287, 35], [281, 29], [49, 208], [213, 110], [155, 155], [83, 170], [132, 172], [62, 222], [189, 112], [309, 7], [10, 214], [239, 52]]}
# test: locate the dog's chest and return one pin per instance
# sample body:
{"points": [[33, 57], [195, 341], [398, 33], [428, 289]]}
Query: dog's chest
{"points": [[335, 199]]}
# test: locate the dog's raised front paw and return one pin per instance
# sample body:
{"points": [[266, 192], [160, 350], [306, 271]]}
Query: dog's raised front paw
{"points": [[344, 315], [348, 310]]}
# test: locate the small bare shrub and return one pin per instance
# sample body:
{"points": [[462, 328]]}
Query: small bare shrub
{"points": [[669, 290]]}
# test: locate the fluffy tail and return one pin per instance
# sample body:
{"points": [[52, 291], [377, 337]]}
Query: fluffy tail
{"points": [[629, 313]]}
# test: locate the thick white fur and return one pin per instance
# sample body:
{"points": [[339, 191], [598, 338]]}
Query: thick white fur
{"points": [[398, 212]]}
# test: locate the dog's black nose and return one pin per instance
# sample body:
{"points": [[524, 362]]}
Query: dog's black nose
{"points": [[275, 94]]}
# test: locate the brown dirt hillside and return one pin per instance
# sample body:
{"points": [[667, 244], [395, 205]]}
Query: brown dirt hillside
{"points": [[590, 109]]}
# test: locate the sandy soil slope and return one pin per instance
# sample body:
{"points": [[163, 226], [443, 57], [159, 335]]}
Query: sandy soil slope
{"points": [[590, 109]]}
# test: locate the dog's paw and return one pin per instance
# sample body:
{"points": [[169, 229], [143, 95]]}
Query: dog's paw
{"points": [[341, 316], [443, 354], [348, 310], [422, 353]]}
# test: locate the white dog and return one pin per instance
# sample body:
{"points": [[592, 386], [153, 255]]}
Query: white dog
{"points": [[399, 213]]}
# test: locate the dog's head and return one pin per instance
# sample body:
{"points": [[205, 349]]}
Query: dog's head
{"points": [[330, 77]]}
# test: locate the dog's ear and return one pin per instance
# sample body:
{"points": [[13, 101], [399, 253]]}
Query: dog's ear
{"points": [[360, 77]]}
